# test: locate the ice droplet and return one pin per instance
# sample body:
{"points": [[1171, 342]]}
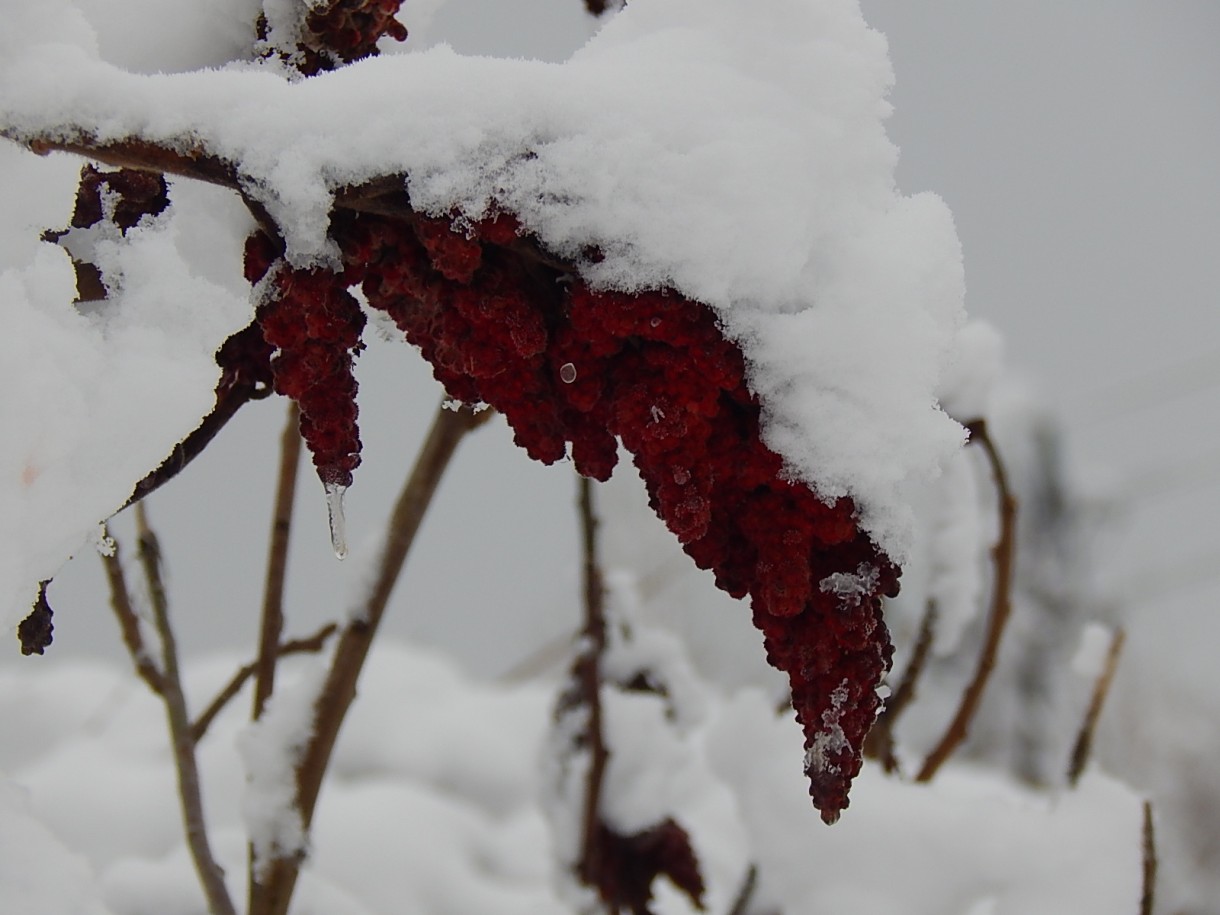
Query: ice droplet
{"points": [[338, 525], [567, 373]]}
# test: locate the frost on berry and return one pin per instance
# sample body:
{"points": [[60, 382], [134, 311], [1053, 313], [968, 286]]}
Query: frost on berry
{"points": [[577, 371]]}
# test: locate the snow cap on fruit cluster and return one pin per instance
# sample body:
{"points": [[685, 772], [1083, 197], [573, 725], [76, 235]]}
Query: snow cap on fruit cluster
{"points": [[733, 152]]}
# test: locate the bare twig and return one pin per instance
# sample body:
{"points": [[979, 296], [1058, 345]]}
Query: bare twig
{"points": [[1001, 606], [271, 893], [312, 644], [880, 741], [277, 561], [1148, 896], [211, 875], [228, 402], [741, 904], [129, 622], [1101, 689], [588, 675]]}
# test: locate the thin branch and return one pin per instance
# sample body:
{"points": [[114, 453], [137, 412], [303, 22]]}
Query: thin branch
{"points": [[1148, 895], [588, 675], [277, 561], [1101, 689], [271, 894], [312, 644], [880, 741], [1001, 607], [188, 158], [211, 875], [172, 158], [741, 904], [129, 622], [227, 404]]}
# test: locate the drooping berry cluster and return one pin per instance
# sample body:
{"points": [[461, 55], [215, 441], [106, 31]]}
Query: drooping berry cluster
{"points": [[339, 32], [122, 196], [314, 324], [572, 368], [133, 194]]}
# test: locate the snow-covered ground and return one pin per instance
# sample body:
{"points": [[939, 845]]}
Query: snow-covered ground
{"points": [[433, 807]]}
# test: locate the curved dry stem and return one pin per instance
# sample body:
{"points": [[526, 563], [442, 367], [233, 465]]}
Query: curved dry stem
{"points": [[1101, 688], [211, 875], [271, 893], [745, 894], [879, 744], [1001, 607]]}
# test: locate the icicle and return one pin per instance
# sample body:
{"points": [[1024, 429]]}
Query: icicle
{"points": [[338, 526]]}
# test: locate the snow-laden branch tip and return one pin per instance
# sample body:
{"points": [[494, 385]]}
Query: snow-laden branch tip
{"points": [[759, 183]]}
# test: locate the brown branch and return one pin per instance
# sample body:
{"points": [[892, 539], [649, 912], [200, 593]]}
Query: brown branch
{"points": [[741, 903], [277, 561], [1101, 689], [129, 622], [385, 195], [1148, 895], [1001, 607], [211, 875], [311, 644], [142, 155], [228, 402], [880, 741], [587, 672], [271, 893]]}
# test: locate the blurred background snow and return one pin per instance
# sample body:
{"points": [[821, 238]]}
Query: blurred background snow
{"points": [[1076, 145]]}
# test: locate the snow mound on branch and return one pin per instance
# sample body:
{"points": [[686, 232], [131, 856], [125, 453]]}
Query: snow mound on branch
{"points": [[734, 152], [96, 398]]}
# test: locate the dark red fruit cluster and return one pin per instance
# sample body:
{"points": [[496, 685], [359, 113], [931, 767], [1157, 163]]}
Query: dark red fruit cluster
{"points": [[122, 195], [133, 195], [576, 371], [628, 866], [340, 32], [314, 324]]}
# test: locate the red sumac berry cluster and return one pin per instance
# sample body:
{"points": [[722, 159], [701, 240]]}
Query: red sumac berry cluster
{"points": [[575, 371], [340, 32], [314, 324], [134, 194], [122, 196]]}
